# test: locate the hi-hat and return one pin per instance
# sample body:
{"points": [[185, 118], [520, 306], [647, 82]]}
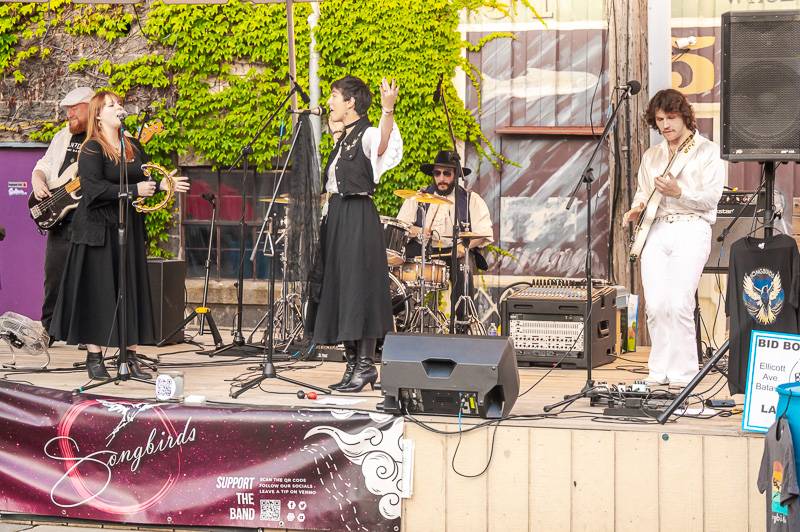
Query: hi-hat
{"points": [[283, 199], [421, 197]]}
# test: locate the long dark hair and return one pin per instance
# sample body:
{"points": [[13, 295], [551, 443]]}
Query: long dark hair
{"points": [[670, 101]]}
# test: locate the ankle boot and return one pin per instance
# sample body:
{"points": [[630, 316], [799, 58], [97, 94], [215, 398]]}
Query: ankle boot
{"points": [[96, 367], [365, 371], [350, 359], [136, 370]]}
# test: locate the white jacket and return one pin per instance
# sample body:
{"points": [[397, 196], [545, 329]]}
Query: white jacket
{"points": [[53, 158]]}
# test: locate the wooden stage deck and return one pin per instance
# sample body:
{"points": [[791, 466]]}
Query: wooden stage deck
{"points": [[574, 471]]}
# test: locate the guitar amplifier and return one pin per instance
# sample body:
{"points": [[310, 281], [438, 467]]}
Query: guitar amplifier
{"points": [[730, 204], [545, 323]]}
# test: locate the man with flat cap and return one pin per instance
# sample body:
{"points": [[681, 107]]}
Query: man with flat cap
{"points": [[436, 220], [60, 155]]}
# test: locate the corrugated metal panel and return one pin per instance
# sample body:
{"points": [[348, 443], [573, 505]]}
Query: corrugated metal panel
{"points": [[546, 77]]}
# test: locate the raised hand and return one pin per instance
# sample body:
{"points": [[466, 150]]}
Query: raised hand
{"points": [[389, 92]]}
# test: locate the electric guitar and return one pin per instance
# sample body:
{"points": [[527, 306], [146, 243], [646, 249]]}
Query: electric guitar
{"points": [[64, 195], [648, 216]]}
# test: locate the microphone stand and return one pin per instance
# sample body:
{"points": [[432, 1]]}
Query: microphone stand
{"points": [[238, 340], [586, 178], [123, 370], [456, 232], [267, 366]]}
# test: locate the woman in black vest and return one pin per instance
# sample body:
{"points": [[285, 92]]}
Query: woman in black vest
{"points": [[354, 305]]}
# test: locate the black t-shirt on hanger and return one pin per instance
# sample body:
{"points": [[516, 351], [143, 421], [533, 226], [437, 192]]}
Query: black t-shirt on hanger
{"points": [[763, 292]]}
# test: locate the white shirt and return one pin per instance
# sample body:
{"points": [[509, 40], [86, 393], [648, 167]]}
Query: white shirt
{"points": [[439, 219], [53, 158], [701, 179], [380, 163]]}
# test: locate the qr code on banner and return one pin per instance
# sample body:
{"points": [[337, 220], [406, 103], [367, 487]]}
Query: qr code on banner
{"points": [[270, 510]]}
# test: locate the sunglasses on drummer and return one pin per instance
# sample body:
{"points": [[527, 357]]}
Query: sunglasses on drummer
{"points": [[446, 173]]}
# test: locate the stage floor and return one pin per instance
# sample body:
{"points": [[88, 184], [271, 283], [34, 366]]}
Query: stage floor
{"points": [[578, 470], [215, 378]]}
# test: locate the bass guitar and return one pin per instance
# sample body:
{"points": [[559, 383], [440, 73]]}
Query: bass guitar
{"points": [[64, 195], [648, 216]]}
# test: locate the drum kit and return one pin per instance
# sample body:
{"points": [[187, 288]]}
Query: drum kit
{"points": [[415, 283]]}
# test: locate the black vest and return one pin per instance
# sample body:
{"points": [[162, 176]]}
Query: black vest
{"points": [[353, 169], [462, 198]]}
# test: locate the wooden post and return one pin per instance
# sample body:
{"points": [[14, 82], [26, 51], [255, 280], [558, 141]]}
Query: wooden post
{"points": [[627, 46]]}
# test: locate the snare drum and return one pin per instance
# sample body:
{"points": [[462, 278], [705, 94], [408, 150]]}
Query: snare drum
{"points": [[435, 273], [395, 235]]}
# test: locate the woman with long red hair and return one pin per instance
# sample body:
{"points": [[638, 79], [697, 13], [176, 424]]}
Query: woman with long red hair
{"points": [[86, 309]]}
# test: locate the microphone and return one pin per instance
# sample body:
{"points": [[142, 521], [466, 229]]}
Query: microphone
{"points": [[316, 111], [122, 115], [437, 94], [208, 196], [632, 87], [300, 91]]}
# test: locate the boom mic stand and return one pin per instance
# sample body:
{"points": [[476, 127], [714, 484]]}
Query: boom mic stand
{"points": [[123, 370], [439, 95], [268, 366], [586, 178], [769, 219], [238, 338]]}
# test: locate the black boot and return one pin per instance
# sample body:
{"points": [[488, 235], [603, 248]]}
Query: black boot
{"points": [[135, 369], [365, 372], [95, 366], [350, 359]]}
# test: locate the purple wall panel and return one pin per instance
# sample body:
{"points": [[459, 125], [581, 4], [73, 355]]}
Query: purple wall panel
{"points": [[22, 252]]}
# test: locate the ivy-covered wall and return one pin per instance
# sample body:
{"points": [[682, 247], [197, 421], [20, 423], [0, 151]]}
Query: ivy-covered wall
{"points": [[213, 73]]}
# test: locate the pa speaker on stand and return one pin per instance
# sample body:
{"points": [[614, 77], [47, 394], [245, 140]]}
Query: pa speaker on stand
{"points": [[760, 76]]}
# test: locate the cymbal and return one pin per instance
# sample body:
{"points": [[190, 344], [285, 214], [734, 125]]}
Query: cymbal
{"points": [[422, 197], [282, 199]]}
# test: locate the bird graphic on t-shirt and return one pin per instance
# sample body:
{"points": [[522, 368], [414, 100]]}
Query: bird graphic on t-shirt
{"points": [[763, 295]]}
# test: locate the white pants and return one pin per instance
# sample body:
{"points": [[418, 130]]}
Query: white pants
{"points": [[672, 262]]}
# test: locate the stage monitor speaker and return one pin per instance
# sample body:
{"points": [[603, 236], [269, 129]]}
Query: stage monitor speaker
{"points": [[731, 204], [760, 75], [167, 291], [449, 374]]}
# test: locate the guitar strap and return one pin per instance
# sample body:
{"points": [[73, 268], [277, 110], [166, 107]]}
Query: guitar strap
{"points": [[682, 158]]}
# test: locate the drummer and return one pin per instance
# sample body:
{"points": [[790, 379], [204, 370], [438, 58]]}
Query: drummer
{"points": [[436, 220]]}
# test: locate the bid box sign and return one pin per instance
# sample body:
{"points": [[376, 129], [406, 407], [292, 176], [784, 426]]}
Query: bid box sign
{"points": [[774, 359]]}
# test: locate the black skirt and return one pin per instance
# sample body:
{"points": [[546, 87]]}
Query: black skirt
{"points": [[87, 299], [354, 302]]}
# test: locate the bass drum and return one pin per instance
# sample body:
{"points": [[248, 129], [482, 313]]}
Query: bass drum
{"points": [[401, 304]]}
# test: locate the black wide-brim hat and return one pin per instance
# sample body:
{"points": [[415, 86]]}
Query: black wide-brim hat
{"points": [[443, 158]]}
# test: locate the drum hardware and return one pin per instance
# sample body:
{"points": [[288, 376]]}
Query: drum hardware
{"points": [[288, 318], [471, 320], [421, 264]]}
